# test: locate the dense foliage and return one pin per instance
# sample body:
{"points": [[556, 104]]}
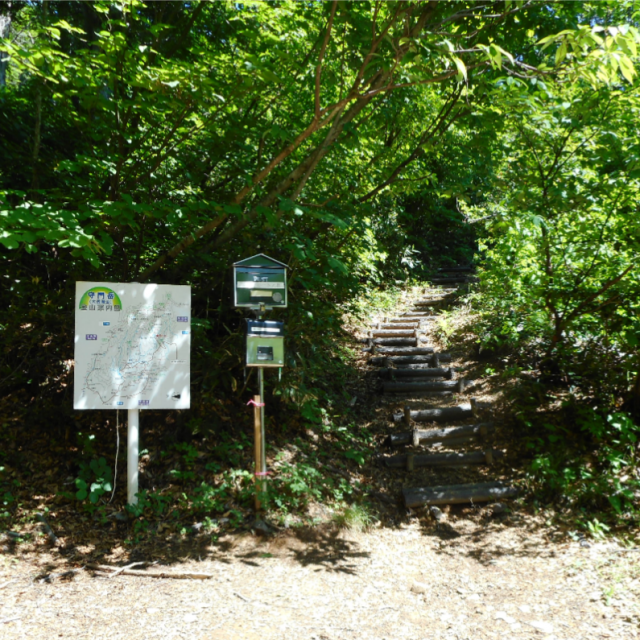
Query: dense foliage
{"points": [[561, 245]]}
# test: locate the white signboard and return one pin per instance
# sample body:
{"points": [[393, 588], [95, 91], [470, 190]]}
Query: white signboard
{"points": [[132, 346]]}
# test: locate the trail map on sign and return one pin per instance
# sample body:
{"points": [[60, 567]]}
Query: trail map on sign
{"points": [[132, 346]]}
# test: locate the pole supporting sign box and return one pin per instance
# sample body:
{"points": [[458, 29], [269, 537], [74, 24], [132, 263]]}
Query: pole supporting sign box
{"points": [[260, 282], [265, 343]]}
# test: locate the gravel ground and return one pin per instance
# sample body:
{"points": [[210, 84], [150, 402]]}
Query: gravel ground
{"points": [[502, 579]]}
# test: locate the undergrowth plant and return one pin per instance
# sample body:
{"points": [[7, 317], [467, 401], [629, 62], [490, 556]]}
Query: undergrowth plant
{"points": [[587, 461]]}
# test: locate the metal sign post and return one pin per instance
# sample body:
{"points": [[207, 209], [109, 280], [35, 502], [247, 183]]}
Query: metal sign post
{"points": [[260, 283], [133, 444]]}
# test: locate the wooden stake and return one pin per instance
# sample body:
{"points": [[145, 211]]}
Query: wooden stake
{"points": [[407, 415], [257, 441], [410, 462]]}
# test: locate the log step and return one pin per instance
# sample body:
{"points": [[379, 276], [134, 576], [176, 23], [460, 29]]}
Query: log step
{"points": [[413, 372], [431, 302], [443, 459], [396, 342], [394, 333], [461, 412], [460, 269], [455, 280], [409, 387], [405, 351], [410, 361], [444, 435], [422, 315], [398, 326], [457, 494]]}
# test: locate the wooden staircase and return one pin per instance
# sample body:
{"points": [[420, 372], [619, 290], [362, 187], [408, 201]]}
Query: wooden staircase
{"points": [[462, 437]]}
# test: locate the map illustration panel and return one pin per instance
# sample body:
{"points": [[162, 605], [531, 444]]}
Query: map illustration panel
{"points": [[132, 346]]}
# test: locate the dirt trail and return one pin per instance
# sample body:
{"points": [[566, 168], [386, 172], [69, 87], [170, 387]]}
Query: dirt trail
{"points": [[512, 576], [504, 580]]}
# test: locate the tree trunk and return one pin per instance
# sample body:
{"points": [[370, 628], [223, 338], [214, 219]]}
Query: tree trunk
{"points": [[5, 26]]}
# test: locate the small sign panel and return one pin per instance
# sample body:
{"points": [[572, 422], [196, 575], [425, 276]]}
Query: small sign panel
{"points": [[139, 357], [265, 343], [269, 328], [260, 281]]}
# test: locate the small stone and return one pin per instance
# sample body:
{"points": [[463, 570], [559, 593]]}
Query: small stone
{"points": [[543, 627], [499, 508], [419, 587], [190, 617], [595, 596], [473, 596], [437, 514], [502, 615], [525, 608], [120, 516], [261, 527]]}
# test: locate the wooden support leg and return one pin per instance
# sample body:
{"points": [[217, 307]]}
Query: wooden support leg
{"points": [[410, 462]]}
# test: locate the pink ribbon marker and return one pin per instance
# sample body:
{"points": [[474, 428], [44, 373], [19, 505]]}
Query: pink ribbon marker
{"points": [[256, 404]]}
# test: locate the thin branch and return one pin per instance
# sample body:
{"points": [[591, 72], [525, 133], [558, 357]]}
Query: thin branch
{"points": [[585, 303], [323, 48], [428, 133]]}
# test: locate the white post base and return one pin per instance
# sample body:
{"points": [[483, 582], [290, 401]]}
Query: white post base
{"points": [[133, 441]]}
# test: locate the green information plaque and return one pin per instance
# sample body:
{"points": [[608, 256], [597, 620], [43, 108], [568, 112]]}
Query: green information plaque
{"points": [[260, 281]]}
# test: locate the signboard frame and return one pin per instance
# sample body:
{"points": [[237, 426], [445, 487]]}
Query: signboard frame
{"points": [[110, 341], [268, 275]]}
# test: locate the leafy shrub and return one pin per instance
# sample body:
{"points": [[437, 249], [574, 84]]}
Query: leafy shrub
{"points": [[94, 480], [593, 470]]}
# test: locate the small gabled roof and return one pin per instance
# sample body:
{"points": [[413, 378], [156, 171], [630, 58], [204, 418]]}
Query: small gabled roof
{"points": [[260, 260]]}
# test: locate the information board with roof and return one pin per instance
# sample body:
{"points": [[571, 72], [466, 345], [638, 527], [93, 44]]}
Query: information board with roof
{"points": [[260, 281]]}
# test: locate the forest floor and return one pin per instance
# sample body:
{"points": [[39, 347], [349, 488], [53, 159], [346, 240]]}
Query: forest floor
{"points": [[519, 575]]}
